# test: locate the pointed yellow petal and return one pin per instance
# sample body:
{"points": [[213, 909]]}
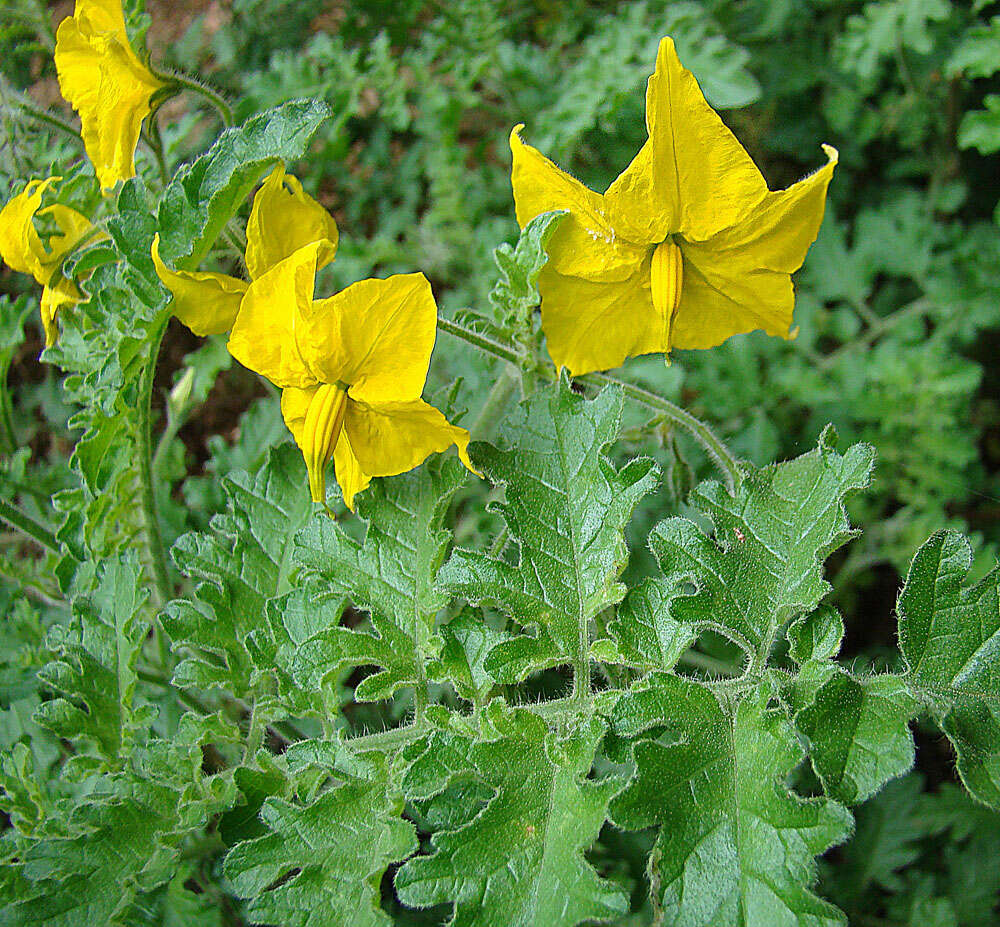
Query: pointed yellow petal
{"points": [[283, 219], [376, 336], [205, 302], [394, 437], [106, 84], [294, 408], [61, 294], [20, 245], [72, 227], [595, 326], [585, 244], [777, 232], [738, 280], [693, 177], [350, 476], [270, 334]]}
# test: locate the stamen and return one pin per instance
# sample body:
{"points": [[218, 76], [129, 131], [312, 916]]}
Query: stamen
{"points": [[324, 421], [666, 275]]}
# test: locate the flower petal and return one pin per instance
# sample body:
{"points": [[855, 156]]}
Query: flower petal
{"points": [[269, 334], [206, 303], [350, 476], [106, 84], [777, 232], [718, 301], [738, 280], [61, 294], [585, 244], [376, 336], [394, 437], [594, 325], [20, 245], [693, 177], [283, 219]]}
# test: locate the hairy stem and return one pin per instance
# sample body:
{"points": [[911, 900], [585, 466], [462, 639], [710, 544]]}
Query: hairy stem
{"points": [[27, 525], [154, 538], [713, 446], [216, 99]]}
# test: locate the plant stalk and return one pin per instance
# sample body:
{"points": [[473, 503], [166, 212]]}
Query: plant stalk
{"points": [[27, 525]]}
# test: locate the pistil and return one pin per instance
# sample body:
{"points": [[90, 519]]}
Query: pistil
{"points": [[324, 421], [666, 276]]}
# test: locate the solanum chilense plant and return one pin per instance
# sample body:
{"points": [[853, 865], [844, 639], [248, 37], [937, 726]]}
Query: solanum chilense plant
{"points": [[209, 705]]}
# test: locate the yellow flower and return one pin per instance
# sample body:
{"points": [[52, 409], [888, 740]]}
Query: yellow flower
{"points": [[22, 247], [106, 84], [687, 247], [352, 368], [283, 219]]}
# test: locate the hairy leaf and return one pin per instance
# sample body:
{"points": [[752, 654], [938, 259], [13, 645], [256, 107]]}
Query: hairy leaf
{"points": [[859, 733], [566, 510], [203, 196], [950, 637], [240, 564], [393, 575], [320, 865], [735, 846], [763, 564], [519, 861], [95, 673]]}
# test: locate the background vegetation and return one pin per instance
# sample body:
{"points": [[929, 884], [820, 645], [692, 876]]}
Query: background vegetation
{"points": [[898, 304]]}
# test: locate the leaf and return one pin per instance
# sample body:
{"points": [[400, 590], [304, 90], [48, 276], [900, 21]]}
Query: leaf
{"points": [[240, 564], [763, 564], [95, 673], [123, 838], [735, 846], [859, 734], [978, 53], [515, 294], [566, 510], [980, 129], [393, 575], [321, 864], [950, 638], [468, 641], [519, 861], [203, 196]]}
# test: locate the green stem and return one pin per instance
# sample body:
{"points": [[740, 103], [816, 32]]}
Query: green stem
{"points": [[26, 524], [713, 446], [716, 450], [154, 538], [496, 403], [7, 415], [195, 86], [482, 342], [49, 119]]}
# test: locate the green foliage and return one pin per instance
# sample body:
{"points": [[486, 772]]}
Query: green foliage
{"points": [[949, 636], [323, 860], [566, 508], [222, 705], [520, 858]]}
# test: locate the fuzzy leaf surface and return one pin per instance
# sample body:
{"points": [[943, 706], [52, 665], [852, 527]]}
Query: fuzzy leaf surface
{"points": [[95, 672], [735, 846], [949, 634], [763, 564], [566, 510], [327, 857], [392, 574], [859, 733], [518, 861], [240, 564], [204, 195]]}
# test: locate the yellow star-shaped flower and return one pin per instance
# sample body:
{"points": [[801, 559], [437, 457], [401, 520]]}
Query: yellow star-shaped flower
{"points": [[283, 219], [351, 367], [23, 249], [687, 247], [106, 84]]}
